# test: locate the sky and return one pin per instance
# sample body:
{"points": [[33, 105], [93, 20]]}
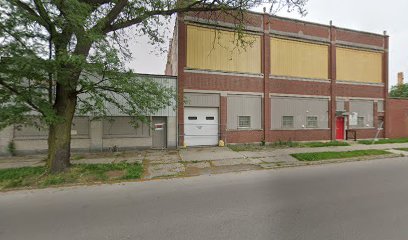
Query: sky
{"points": [[365, 15]]}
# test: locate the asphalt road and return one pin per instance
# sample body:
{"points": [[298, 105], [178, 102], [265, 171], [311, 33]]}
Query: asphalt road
{"points": [[360, 200]]}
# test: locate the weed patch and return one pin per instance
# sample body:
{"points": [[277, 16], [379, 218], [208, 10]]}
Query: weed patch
{"points": [[79, 173]]}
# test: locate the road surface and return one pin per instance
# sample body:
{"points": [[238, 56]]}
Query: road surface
{"points": [[360, 201]]}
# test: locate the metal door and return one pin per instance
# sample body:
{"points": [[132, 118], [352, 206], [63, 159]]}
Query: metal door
{"points": [[159, 136], [200, 126], [340, 128]]}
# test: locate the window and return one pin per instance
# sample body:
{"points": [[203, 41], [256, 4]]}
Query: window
{"points": [[311, 122], [287, 122], [244, 121], [192, 118], [360, 122], [209, 118]]}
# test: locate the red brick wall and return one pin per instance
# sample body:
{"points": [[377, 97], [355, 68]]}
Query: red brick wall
{"points": [[299, 87], [291, 26], [244, 136], [352, 90], [361, 38], [398, 118], [202, 81], [368, 133], [298, 135], [250, 19]]}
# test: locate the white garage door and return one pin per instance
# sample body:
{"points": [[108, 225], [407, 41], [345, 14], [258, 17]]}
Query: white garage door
{"points": [[200, 126]]}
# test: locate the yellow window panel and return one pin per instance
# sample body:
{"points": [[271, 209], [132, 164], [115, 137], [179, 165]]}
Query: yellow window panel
{"points": [[358, 66], [211, 49], [299, 59]]}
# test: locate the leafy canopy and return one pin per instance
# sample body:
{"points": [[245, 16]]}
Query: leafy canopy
{"points": [[54, 50], [399, 91]]}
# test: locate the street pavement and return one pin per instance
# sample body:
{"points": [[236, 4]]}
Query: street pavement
{"points": [[355, 200]]}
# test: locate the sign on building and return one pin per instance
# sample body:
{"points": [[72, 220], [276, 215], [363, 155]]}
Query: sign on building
{"points": [[353, 118]]}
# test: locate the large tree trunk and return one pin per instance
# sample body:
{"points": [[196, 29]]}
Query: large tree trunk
{"points": [[59, 137]]}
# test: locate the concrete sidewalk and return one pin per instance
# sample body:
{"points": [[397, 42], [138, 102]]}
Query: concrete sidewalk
{"points": [[204, 160]]}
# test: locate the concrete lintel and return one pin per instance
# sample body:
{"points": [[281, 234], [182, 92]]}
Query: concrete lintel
{"points": [[359, 46], [254, 75], [300, 37], [360, 83], [223, 93], [298, 95], [299, 79]]}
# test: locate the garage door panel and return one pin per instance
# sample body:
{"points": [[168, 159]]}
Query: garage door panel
{"points": [[201, 126]]}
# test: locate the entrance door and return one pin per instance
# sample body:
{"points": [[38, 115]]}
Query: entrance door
{"points": [[200, 126], [159, 135], [340, 128]]}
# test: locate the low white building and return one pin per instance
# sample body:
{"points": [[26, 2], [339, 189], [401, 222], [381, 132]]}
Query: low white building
{"points": [[112, 134]]}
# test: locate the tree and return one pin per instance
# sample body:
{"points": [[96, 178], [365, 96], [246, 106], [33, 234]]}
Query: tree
{"points": [[62, 57], [399, 91]]}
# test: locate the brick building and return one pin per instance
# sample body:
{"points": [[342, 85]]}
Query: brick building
{"points": [[296, 80]]}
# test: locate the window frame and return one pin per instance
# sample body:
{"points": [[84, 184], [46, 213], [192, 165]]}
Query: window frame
{"points": [[307, 121], [288, 127], [358, 122], [244, 127]]}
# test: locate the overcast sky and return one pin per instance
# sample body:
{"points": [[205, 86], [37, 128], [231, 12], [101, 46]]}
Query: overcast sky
{"points": [[366, 15]]}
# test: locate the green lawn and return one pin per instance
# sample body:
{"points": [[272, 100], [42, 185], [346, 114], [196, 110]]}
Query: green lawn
{"points": [[325, 144], [317, 156], [38, 177], [281, 144], [402, 149], [384, 141]]}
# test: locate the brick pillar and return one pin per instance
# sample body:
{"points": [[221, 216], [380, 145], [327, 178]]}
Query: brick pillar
{"points": [[182, 58], [385, 80], [266, 59], [332, 76], [223, 118]]}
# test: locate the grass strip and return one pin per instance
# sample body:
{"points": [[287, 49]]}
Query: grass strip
{"points": [[317, 156], [288, 144], [402, 149], [37, 177], [325, 144], [384, 141]]}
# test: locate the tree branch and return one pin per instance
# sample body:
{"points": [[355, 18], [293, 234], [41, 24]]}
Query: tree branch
{"points": [[111, 16], [96, 2], [16, 92], [189, 8], [44, 15], [34, 16]]}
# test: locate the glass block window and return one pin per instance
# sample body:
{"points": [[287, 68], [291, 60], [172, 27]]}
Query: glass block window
{"points": [[287, 122], [244, 121], [311, 122]]}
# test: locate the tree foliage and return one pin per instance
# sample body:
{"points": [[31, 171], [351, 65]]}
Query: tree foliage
{"points": [[399, 91], [61, 57]]}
